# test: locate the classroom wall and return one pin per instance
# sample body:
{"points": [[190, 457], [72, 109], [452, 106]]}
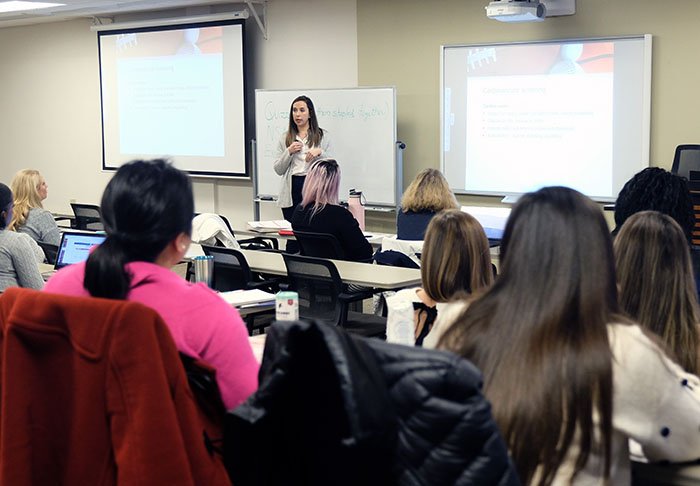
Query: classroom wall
{"points": [[50, 89], [399, 44], [51, 102]]}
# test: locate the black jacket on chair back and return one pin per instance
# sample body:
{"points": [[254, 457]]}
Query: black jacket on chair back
{"points": [[336, 409]]}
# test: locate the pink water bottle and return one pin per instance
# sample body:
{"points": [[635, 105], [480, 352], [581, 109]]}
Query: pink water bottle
{"points": [[356, 206]]}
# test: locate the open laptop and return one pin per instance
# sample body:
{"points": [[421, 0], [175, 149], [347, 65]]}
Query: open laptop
{"points": [[74, 248], [493, 221]]}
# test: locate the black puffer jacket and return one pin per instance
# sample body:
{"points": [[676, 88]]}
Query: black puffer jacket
{"points": [[334, 409]]}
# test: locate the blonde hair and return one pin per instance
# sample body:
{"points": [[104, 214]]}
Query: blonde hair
{"points": [[456, 258], [657, 287], [25, 189], [429, 191]]}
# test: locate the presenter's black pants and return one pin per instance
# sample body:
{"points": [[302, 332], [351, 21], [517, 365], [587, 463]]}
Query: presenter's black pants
{"points": [[297, 185]]}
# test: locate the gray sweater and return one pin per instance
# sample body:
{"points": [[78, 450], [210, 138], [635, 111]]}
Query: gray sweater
{"points": [[18, 261], [41, 226]]}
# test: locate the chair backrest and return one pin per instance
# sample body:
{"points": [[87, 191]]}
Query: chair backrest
{"points": [[318, 284], [50, 251], [686, 159], [231, 270], [223, 218], [87, 217], [70, 362], [320, 245], [409, 252], [228, 225], [213, 229], [382, 409]]}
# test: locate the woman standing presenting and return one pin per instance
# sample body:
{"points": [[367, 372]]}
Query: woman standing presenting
{"points": [[303, 143]]}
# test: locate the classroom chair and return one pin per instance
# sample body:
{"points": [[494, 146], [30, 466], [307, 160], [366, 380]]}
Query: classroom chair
{"points": [[254, 243], [338, 409], [94, 392], [87, 217], [50, 251], [232, 272], [687, 160], [322, 295], [320, 245]]}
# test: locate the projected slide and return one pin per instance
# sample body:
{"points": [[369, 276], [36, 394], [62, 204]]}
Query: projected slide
{"points": [[520, 117], [176, 93]]}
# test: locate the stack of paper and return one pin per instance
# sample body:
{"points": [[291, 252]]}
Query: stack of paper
{"points": [[240, 298], [270, 226]]}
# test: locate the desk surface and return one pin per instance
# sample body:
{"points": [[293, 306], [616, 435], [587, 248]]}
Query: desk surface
{"points": [[365, 274], [375, 239]]}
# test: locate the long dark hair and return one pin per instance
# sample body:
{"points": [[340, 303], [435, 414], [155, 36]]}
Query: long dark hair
{"points": [[5, 202], [144, 207], [315, 134], [657, 287], [539, 334]]}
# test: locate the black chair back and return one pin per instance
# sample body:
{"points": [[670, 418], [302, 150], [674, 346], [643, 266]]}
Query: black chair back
{"points": [[255, 243], [231, 270], [51, 251], [87, 217], [319, 286], [685, 160], [320, 245]]}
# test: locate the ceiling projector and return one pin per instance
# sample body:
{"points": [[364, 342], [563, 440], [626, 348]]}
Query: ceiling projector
{"points": [[516, 10]]}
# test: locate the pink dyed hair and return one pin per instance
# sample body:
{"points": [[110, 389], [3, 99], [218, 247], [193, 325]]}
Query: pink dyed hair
{"points": [[321, 185]]}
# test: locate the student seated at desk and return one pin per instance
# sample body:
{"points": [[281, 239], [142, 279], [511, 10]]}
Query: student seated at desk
{"points": [[19, 254], [456, 262], [570, 379], [147, 210], [656, 282], [427, 195], [319, 211], [30, 189], [656, 189]]}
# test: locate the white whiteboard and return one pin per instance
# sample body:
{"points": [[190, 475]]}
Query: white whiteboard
{"points": [[362, 125]]}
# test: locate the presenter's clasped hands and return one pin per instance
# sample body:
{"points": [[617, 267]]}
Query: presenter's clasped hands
{"points": [[312, 154]]}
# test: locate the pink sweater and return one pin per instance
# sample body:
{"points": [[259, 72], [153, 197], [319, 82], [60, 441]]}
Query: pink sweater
{"points": [[203, 325]]}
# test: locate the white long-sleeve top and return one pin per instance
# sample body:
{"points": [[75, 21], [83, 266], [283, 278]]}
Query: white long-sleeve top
{"points": [[285, 164]]}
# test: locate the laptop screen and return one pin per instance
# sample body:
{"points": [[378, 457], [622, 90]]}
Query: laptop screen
{"points": [[493, 220], [75, 247]]}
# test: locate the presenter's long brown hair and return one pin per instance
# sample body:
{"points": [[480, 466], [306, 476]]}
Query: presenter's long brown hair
{"points": [[657, 287], [539, 334], [313, 138]]}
